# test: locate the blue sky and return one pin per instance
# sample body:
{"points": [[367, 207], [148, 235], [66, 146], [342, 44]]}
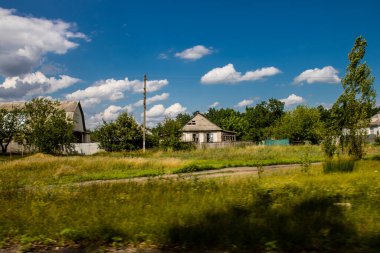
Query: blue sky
{"points": [[196, 54]]}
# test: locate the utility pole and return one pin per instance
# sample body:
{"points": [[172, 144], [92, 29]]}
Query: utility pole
{"points": [[144, 125]]}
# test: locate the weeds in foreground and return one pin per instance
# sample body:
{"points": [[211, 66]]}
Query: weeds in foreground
{"points": [[290, 212], [340, 164]]}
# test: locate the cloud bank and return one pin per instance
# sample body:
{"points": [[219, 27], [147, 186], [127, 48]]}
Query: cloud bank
{"points": [[26, 86], [25, 40], [112, 90]]}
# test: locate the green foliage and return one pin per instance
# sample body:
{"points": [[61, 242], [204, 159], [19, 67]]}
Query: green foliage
{"points": [[228, 119], [341, 164], [193, 168], [300, 125], [11, 125], [305, 162], [261, 117], [183, 118], [123, 134], [47, 127], [169, 135], [377, 140], [355, 106], [252, 125]]}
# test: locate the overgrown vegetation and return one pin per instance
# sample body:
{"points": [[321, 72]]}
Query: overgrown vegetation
{"points": [[46, 126], [39, 124], [123, 134], [340, 164], [42, 169], [287, 212]]}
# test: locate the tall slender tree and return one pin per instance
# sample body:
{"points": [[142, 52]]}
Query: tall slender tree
{"points": [[355, 106]]}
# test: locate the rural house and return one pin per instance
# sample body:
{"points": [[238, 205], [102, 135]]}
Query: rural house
{"points": [[73, 111], [201, 130], [373, 130]]}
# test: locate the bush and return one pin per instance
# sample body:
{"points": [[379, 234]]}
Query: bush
{"points": [[377, 140], [338, 165]]}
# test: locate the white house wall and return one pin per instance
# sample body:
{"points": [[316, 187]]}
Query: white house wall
{"points": [[188, 136]]}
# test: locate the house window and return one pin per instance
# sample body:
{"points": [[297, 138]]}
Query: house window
{"points": [[210, 137], [195, 138], [192, 122], [372, 130]]}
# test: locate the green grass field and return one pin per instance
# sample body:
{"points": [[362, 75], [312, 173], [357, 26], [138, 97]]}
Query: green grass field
{"points": [[42, 169], [289, 211]]}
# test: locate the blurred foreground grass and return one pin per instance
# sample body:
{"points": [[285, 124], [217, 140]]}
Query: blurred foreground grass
{"points": [[290, 211]]}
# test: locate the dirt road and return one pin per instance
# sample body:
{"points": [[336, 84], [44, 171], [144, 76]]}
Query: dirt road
{"points": [[226, 172]]}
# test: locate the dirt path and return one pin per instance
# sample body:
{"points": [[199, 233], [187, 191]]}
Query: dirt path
{"points": [[226, 172]]}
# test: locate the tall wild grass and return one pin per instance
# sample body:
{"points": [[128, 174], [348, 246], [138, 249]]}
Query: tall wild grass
{"points": [[42, 169], [290, 211]]}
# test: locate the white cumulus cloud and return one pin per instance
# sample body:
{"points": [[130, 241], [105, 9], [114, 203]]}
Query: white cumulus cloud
{"points": [[32, 84], [151, 100], [25, 40], [292, 100], [215, 104], [158, 113], [194, 53], [112, 89], [244, 103], [325, 75], [174, 110], [228, 74], [109, 114]]}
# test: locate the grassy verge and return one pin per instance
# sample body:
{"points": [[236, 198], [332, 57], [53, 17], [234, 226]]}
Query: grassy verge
{"points": [[44, 169], [286, 212]]}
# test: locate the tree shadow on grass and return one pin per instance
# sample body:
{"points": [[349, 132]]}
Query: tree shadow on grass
{"points": [[314, 225]]}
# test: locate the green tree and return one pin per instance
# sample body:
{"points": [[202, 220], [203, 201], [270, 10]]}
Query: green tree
{"points": [[261, 117], [356, 105], [123, 134], [228, 119], [183, 118], [301, 124], [47, 127], [11, 124], [169, 134]]}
